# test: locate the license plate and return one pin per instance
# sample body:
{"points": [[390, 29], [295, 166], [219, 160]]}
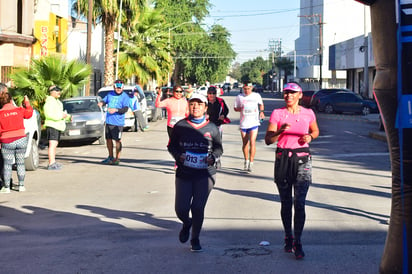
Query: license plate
{"points": [[74, 132]]}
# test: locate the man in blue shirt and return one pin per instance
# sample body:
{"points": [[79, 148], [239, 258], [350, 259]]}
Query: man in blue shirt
{"points": [[117, 105]]}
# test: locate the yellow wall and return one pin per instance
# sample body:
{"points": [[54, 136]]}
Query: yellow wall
{"points": [[45, 32]]}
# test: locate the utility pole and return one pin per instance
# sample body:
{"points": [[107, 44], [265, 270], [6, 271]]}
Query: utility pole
{"points": [[365, 57], [272, 53], [320, 25], [89, 42]]}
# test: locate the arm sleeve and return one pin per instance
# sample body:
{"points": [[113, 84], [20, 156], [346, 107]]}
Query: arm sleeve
{"points": [[123, 110]]}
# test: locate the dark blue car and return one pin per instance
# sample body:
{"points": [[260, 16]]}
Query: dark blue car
{"points": [[342, 101]]}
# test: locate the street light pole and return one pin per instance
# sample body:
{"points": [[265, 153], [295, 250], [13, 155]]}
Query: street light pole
{"points": [[170, 29]]}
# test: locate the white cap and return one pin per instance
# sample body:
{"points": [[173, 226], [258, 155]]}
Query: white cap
{"points": [[198, 97]]}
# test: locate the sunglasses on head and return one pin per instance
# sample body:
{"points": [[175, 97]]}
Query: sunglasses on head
{"points": [[56, 89]]}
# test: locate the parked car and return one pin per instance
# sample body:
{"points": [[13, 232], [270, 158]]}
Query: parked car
{"points": [[226, 86], [322, 92], [202, 90], [33, 132], [88, 120], [257, 88], [306, 97], [129, 116], [155, 112], [344, 101]]}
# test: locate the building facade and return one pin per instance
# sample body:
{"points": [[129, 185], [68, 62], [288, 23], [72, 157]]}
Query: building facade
{"points": [[323, 23], [16, 35]]}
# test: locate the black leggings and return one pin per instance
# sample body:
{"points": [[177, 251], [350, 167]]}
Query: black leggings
{"points": [[300, 189], [192, 195]]}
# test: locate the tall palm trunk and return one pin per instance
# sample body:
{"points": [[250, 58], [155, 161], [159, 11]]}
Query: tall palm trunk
{"points": [[108, 51], [385, 90]]}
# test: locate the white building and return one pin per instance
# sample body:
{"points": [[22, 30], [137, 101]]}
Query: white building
{"points": [[324, 23]]}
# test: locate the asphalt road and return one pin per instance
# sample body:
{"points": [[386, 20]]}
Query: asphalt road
{"points": [[91, 218]]}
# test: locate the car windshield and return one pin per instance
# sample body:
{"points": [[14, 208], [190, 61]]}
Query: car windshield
{"points": [[77, 106], [149, 97]]}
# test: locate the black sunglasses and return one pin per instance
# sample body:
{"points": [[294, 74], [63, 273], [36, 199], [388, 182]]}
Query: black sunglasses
{"points": [[211, 93], [55, 89], [179, 91]]}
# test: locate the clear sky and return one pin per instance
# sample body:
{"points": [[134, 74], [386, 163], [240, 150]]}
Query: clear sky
{"points": [[253, 24]]}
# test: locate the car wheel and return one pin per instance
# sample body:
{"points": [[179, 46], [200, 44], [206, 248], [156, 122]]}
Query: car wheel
{"points": [[32, 161], [102, 140], [329, 109], [366, 110]]}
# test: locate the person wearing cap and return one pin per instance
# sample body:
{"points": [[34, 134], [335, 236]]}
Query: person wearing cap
{"points": [[293, 127], [251, 108], [195, 145], [55, 122], [13, 139], [117, 105], [176, 107]]}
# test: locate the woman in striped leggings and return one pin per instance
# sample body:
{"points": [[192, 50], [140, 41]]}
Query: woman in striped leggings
{"points": [[13, 139]]}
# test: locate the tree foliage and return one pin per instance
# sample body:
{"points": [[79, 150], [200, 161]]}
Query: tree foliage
{"points": [[144, 50], [107, 12], [50, 70]]}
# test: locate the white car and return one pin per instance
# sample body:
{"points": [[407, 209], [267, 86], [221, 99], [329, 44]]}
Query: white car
{"points": [[129, 116], [33, 132], [202, 90]]}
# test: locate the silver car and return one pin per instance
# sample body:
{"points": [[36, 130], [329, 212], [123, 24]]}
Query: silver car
{"points": [[88, 120]]}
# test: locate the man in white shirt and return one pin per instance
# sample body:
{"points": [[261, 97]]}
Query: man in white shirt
{"points": [[250, 105]]}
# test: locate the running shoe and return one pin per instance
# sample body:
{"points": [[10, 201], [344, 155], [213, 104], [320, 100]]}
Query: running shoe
{"points": [[5, 190], [21, 188], [115, 162], [250, 168], [54, 166], [297, 249], [108, 160], [288, 244], [196, 247], [246, 165], [185, 232]]}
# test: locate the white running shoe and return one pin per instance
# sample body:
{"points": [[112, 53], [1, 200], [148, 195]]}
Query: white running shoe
{"points": [[246, 165], [250, 168]]}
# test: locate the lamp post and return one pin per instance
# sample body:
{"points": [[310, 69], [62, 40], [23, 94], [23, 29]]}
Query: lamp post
{"points": [[170, 29]]}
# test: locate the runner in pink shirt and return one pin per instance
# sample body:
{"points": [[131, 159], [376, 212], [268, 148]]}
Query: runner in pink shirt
{"points": [[176, 106], [293, 128]]}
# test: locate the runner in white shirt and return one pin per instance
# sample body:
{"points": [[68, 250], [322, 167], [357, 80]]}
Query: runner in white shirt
{"points": [[250, 105]]}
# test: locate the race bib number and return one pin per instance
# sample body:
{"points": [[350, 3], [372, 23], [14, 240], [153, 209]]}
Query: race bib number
{"points": [[176, 119], [196, 160]]}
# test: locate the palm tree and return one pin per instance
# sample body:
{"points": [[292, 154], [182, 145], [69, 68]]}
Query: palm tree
{"points": [[144, 52], [47, 71], [107, 12]]}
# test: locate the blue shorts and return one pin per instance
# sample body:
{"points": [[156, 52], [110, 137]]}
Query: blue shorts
{"points": [[248, 130]]}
